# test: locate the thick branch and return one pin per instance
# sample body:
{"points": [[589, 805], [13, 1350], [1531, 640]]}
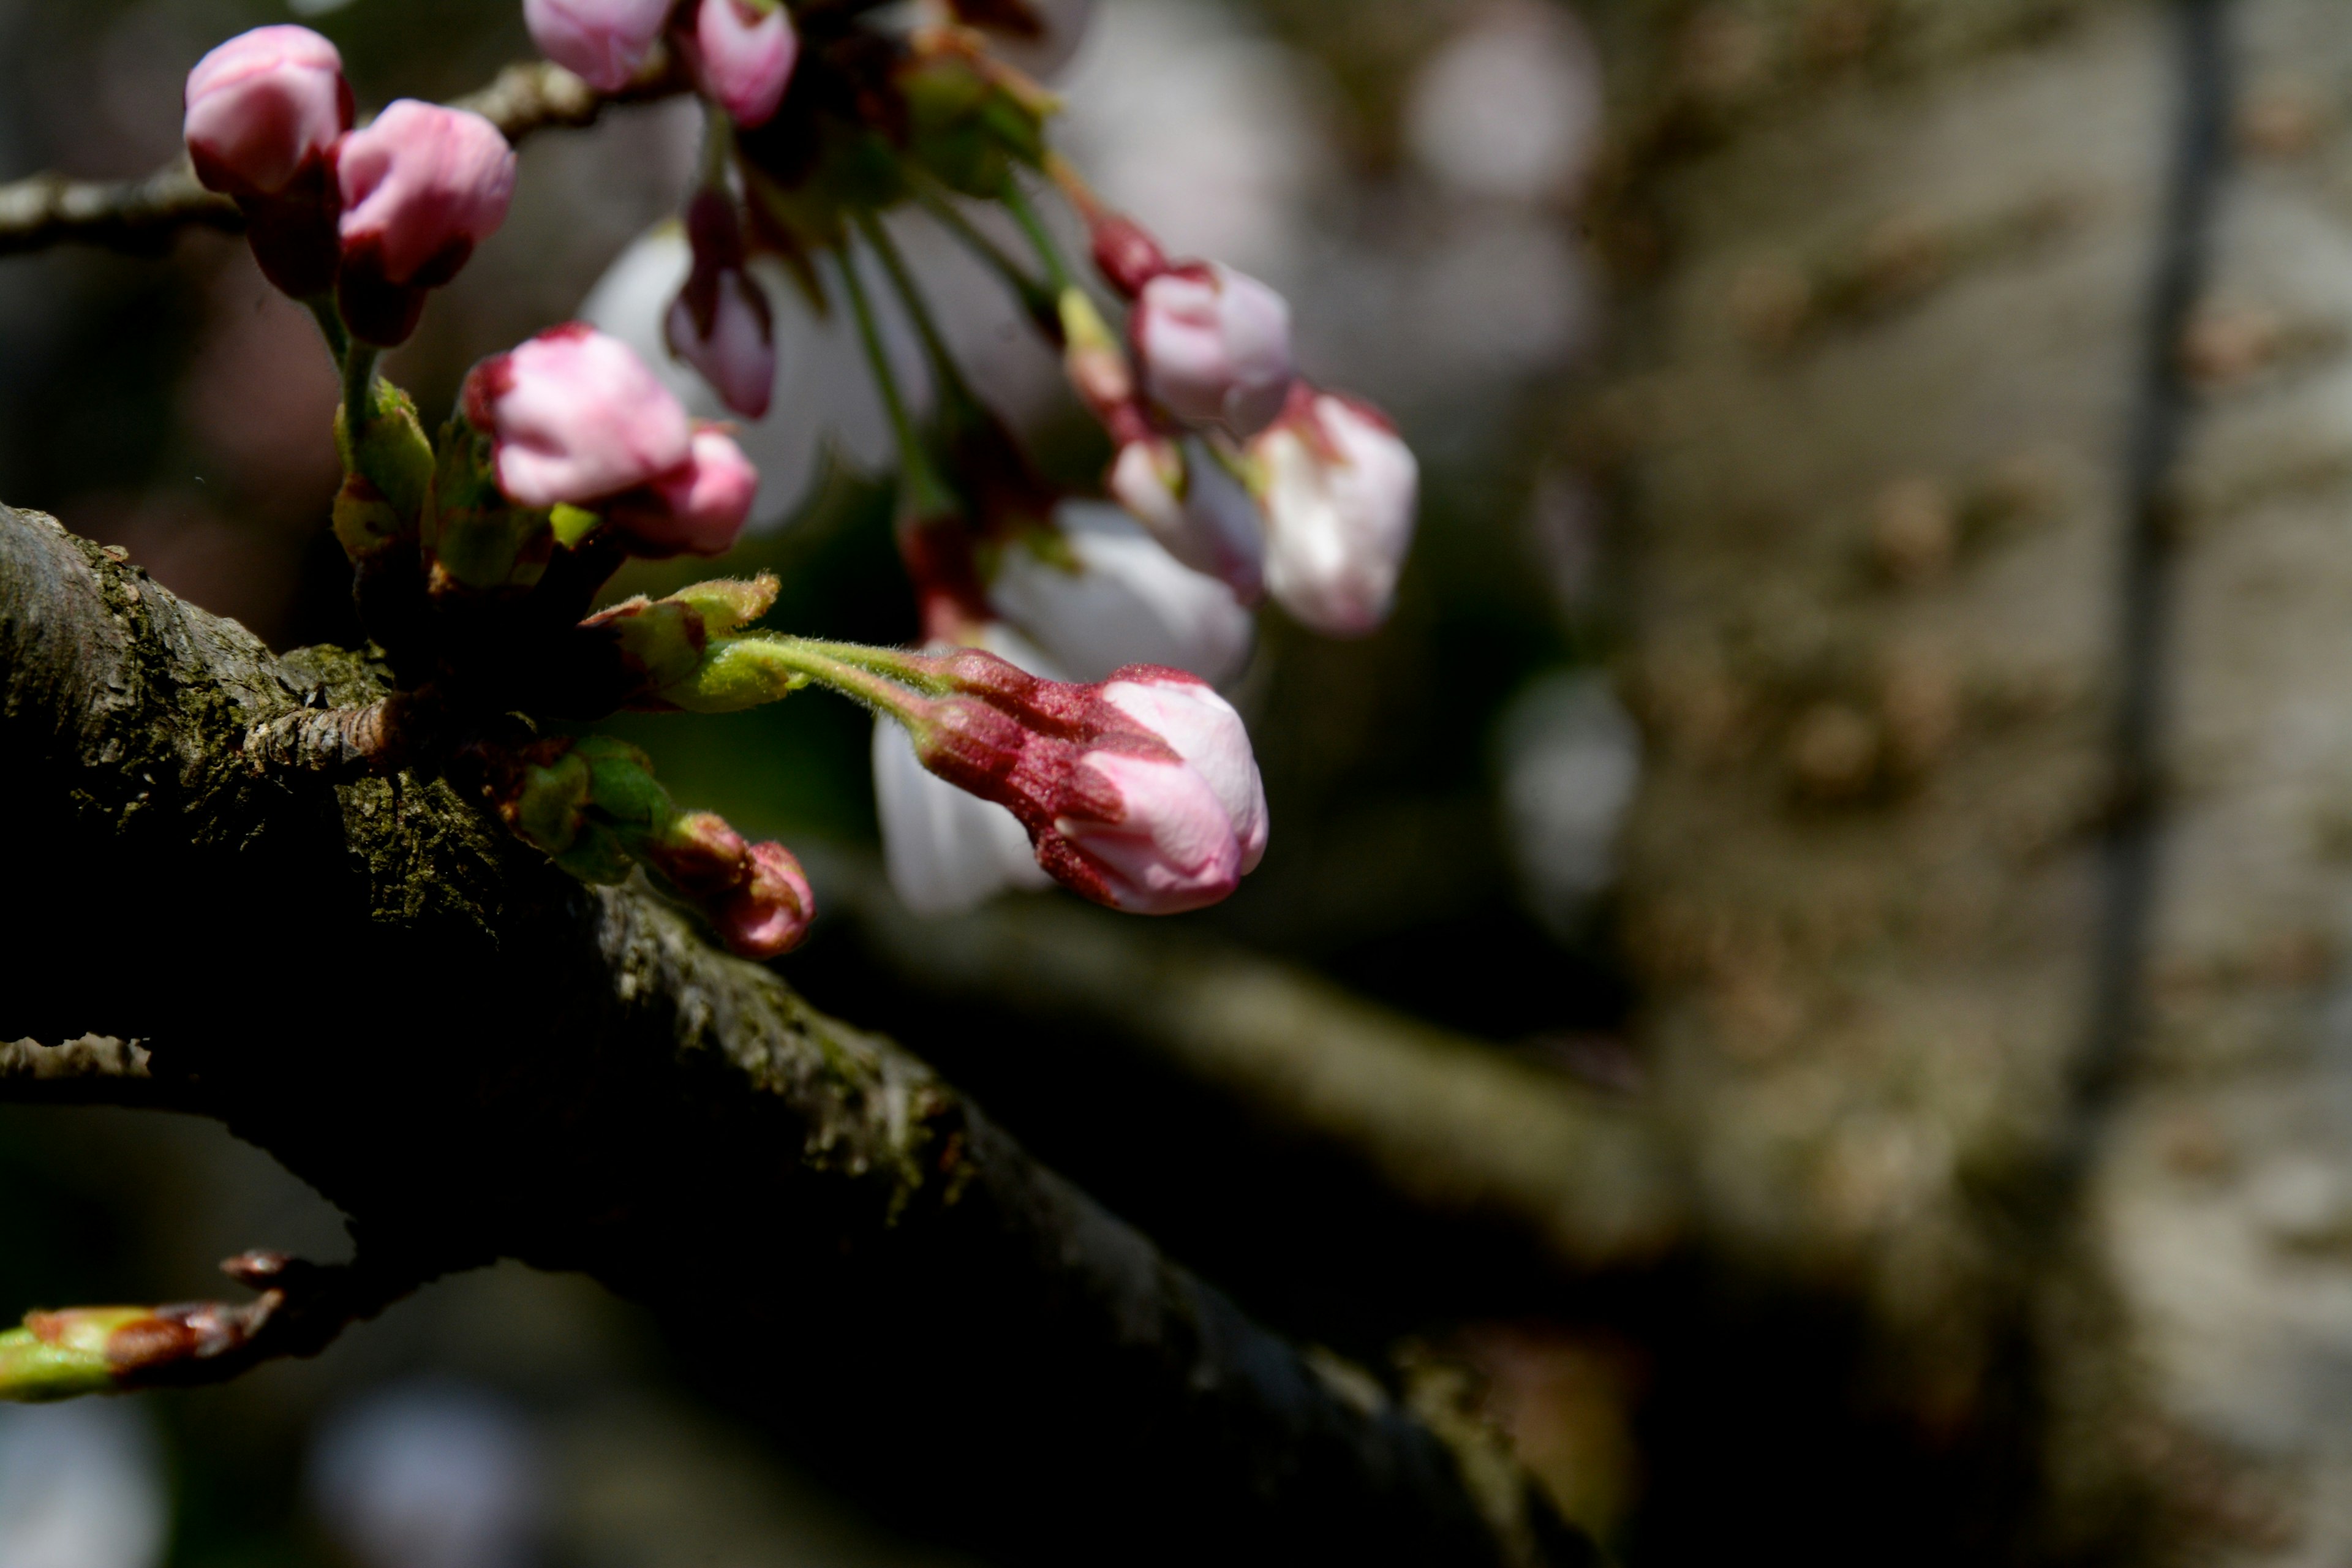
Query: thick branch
{"points": [[143, 215], [92, 1070], [454, 1041], [1454, 1127]]}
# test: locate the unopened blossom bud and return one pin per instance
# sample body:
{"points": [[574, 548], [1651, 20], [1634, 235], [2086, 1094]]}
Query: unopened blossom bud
{"points": [[771, 915], [575, 417], [697, 508], [1127, 255], [1214, 346], [1038, 37], [1140, 793], [422, 185], [263, 108], [1118, 599], [741, 53], [604, 42], [264, 111], [1340, 491], [720, 323], [1198, 512]]}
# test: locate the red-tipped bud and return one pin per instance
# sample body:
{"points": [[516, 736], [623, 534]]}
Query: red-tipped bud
{"points": [[697, 508], [771, 914], [264, 112], [720, 323], [1339, 489], [1127, 255], [1214, 346], [422, 186], [575, 417]]}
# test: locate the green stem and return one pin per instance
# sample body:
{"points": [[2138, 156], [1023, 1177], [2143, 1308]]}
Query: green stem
{"points": [[717, 145], [928, 493], [1037, 298], [878, 676], [1041, 239], [935, 346], [359, 381], [330, 324]]}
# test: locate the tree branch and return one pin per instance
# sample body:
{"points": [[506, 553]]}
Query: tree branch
{"points": [[475, 1056], [143, 215]]}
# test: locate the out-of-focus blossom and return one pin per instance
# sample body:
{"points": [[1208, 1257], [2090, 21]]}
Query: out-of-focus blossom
{"points": [[422, 186], [263, 107], [948, 851], [1198, 512], [1571, 758], [770, 916], [741, 53], [697, 508], [720, 323], [81, 1486], [1510, 108], [575, 417], [1038, 37], [1214, 346], [430, 1475], [1124, 600], [755, 894], [1340, 491], [604, 42]]}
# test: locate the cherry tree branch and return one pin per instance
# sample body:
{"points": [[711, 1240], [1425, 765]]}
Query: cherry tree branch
{"points": [[475, 1056], [141, 217]]}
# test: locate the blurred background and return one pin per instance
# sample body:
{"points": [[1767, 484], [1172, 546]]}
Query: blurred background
{"points": [[1409, 172]]}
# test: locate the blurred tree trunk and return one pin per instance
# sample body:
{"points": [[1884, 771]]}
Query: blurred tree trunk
{"points": [[2048, 1073]]}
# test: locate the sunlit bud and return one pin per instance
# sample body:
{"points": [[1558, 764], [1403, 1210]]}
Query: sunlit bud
{"points": [[603, 42], [741, 53], [1197, 511], [264, 111], [1214, 346], [1035, 35], [263, 107], [422, 185], [720, 323], [1139, 792], [1340, 491], [1119, 598], [696, 509], [575, 417], [771, 914]]}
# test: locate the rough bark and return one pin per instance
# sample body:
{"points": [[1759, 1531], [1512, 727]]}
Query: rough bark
{"points": [[475, 1056], [1988, 883]]}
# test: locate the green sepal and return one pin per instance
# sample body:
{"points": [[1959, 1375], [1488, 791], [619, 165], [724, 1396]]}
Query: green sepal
{"points": [[475, 536], [68, 1363], [573, 523], [964, 128], [597, 857], [550, 810], [622, 789], [393, 452], [735, 673], [726, 604], [662, 637], [365, 523]]}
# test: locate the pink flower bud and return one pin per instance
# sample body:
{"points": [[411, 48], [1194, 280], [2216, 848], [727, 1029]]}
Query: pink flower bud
{"points": [[699, 507], [1215, 345], [1340, 491], [574, 415], [770, 915], [422, 186], [1196, 510], [741, 53], [1140, 793], [263, 107], [603, 42], [1127, 255], [720, 323]]}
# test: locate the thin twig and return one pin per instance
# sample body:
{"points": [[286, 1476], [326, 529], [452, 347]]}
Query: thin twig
{"points": [[141, 217]]}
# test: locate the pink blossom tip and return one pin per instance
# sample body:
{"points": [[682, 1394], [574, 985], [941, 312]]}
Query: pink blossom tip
{"points": [[422, 186], [604, 42], [741, 53], [1339, 489], [720, 322], [575, 417], [770, 915], [697, 508], [1214, 346], [262, 106]]}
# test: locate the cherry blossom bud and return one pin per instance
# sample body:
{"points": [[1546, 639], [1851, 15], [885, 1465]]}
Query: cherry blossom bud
{"points": [[604, 42], [575, 417], [1139, 792], [1038, 37], [946, 851], [264, 106], [1127, 255], [697, 507], [1120, 599], [772, 915], [1198, 512], [1340, 491], [264, 111], [741, 53], [1215, 345], [422, 185], [720, 323]]}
